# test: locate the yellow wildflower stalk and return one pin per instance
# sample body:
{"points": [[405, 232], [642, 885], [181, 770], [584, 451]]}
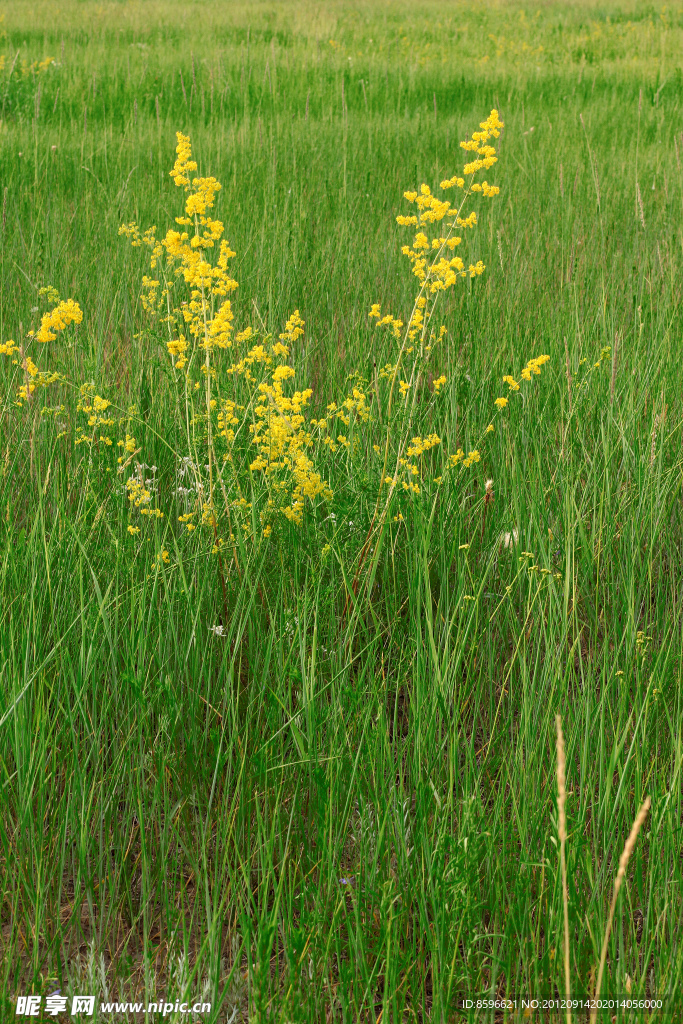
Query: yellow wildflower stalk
{"points": [[436, 274]]}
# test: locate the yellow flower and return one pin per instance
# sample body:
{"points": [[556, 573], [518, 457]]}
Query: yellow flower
{"points": [[62, 315], [294, 327], [133, 529], [283, 373], [501, 402]]}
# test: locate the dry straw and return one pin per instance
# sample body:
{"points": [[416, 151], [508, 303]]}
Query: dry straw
{"points": [[623, 863], [639, 205], [621, 872], [562, 828]]}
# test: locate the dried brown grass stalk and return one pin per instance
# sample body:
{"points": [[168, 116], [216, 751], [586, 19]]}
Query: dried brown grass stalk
{"points": [[562, 828], [621, 872], [639, 205]]}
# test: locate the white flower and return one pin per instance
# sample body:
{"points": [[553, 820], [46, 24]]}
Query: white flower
{"points": [[218, 630]]}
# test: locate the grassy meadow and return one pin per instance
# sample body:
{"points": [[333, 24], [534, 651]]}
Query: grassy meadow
{"points": [[288, 608]]}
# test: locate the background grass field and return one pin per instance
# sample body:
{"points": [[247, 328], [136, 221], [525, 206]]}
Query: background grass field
{"points": [[319, 816]]}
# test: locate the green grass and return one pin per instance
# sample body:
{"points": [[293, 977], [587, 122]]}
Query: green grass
{"points": [[345, 806]]}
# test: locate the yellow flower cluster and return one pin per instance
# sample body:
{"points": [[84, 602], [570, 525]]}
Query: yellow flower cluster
{"points": [[35, 377], [128, 446], [188, 289], [417, 321], [95, 406], [184, 163], [202, 318], [163, 558], [132, 232], [177, 348], [50, 293], [294, 328], [415, 449], [226, 419], [489, 128], [532, 367], [26, 69], [280, 435], [180, 256], [386, 321], [488, 190], [444, 270], [61, 316], [418, 445], [459, 456], [441, 273], [386, 371], [137, 493], [356, 402]]}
